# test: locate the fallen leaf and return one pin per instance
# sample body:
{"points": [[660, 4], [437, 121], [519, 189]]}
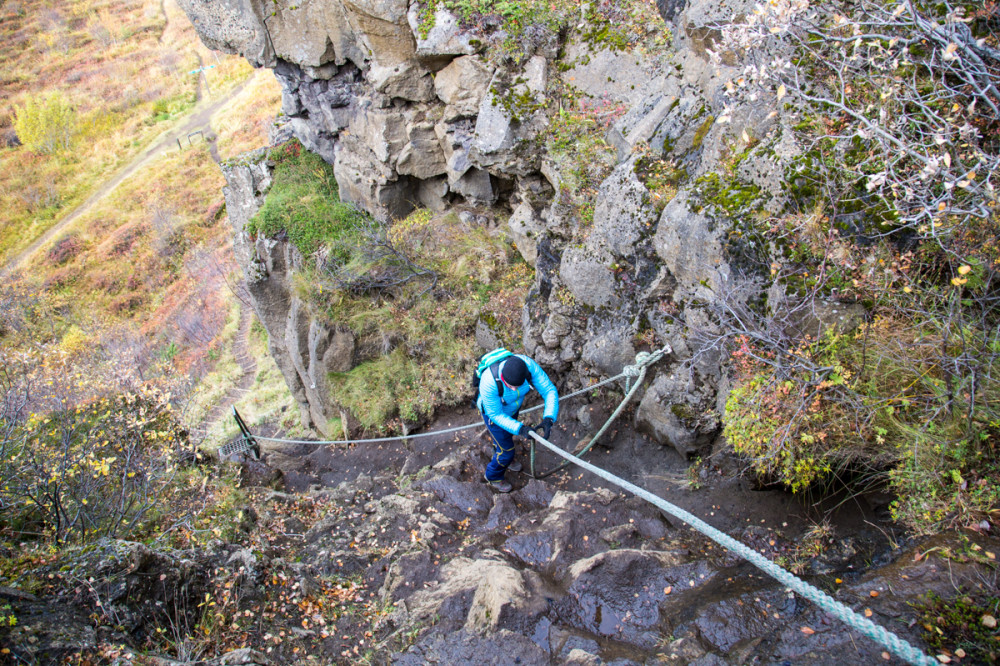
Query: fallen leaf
{"points": [[808, 631], [991, 555], [960, 653], [781, 91], [944, 659], [962, 270], [873, 593], [668, 589], [886, 656], [868, 612], [989, 621]]}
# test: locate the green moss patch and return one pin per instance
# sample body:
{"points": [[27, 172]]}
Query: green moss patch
{"points": [[418, 337], [304, 202]]}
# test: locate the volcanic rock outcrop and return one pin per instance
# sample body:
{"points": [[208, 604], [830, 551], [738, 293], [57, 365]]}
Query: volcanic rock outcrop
{"points": [[412, 111]]}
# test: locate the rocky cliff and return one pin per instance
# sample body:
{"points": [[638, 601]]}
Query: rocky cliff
{"points": [[413, 109]]}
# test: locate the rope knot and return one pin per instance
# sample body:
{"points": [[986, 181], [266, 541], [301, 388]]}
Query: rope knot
{"points": [[632, 370]]}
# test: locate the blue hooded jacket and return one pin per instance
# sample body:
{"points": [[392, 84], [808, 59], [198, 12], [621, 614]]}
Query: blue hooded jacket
{"points": [[500, 409]]}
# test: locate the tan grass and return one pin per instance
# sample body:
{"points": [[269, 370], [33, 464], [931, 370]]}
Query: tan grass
{"points": [[244, 123], [124, 68]]}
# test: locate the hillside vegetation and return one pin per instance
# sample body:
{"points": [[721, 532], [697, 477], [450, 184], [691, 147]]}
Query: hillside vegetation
{"points": [[892, 211], [410, 290], [106, 333], [84, 87]]}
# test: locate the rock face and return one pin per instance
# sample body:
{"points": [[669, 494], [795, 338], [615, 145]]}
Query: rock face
{"points": [[304, 348], [412, 111]]}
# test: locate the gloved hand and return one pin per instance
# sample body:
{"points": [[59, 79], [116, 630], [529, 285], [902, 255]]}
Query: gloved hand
{"points": [[525, 429], [546, 426]]}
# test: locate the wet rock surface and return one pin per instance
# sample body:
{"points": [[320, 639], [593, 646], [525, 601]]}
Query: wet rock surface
{"points": [[437, 568], [567, 571]]}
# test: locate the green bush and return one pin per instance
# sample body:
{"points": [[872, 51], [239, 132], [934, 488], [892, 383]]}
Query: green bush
{"points": [[846, 403], [304, 202], [46, 124], [93, 470]]}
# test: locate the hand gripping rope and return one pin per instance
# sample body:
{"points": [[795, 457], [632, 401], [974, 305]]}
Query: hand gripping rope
{"points": [[638, 371]]}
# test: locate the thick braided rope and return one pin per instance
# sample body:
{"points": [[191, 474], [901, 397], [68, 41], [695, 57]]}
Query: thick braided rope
{"points": [[842, 612], [478, 424], [638, 371]]}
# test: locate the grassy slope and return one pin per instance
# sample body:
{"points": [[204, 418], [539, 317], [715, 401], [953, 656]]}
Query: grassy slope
{"points": [[125, 68], [150, 262]]}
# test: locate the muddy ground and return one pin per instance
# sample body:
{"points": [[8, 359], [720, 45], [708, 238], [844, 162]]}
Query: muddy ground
{"points": [[399, 553], [623, 583]]}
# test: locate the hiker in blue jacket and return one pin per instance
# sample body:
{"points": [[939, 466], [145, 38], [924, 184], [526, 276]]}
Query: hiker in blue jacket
{"points": [[502, 388]]}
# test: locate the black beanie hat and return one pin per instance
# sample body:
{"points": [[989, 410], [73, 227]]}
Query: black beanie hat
{"points": [[514, 371]]}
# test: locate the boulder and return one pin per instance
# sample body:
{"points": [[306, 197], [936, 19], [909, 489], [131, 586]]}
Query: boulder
{"points": [[480, 595], [382, 132], [369, 183], [558, 327], [587, 274], [673, 412], [382, 27], [310, 32], [405, 80], [620, 592], [690, 245], [525, 226], [609, 75], [462, 86], [610, 351], [422, 156], [624, 211], [432, 192], [671, 119], [456, 140], [476, 186], [506, 597], [509, 120], [231, 27], [439, 37]]}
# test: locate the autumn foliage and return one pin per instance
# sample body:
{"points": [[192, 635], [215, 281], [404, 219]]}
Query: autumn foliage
{"points": [[892, 208]]}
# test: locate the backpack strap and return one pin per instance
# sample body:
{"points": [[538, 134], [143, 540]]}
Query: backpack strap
{"points": [[495, 370]]}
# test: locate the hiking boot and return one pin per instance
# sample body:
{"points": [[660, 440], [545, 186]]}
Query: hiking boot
{"points": [[500, 486], [514, 467]]}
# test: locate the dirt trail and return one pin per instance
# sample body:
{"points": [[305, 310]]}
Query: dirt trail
{"points": [[198, 120], [248, 366]]}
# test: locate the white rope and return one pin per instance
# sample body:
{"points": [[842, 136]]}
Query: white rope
{"points": [[642, 359], [879, 634]]}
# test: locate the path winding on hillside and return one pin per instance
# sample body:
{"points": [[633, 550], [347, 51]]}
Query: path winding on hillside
{"points": [[198, 120], [248, 368]]}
